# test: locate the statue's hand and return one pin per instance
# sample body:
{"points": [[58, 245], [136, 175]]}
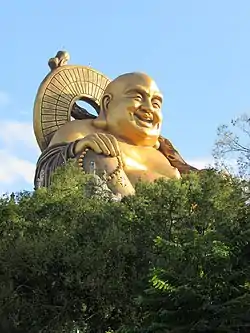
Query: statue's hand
{"points": [[100, 143]]}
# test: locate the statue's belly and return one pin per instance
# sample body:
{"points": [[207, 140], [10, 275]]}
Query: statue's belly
{"points": [[149, 176], [148, 165]]}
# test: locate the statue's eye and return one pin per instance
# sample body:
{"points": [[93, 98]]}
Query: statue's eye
{"points": [[138, 97], [156, 104]]}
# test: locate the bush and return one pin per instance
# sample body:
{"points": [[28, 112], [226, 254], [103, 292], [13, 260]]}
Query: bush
{"points": [[173, 258]]}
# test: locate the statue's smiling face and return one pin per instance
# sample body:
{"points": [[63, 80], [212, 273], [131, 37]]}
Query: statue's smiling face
{"points": [[134, 110]]}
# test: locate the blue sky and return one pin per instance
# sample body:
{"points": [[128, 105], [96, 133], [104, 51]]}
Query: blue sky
{"points": [[197, 51]]}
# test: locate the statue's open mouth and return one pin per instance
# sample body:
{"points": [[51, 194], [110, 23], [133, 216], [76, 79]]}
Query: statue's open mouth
{"points": [[144, 120]]}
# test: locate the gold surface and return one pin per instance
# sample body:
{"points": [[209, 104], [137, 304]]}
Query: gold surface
{"points": [[127, 128]]}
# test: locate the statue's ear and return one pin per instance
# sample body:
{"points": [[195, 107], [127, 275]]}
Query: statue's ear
{"points": [[104, 104], [100, 121]]}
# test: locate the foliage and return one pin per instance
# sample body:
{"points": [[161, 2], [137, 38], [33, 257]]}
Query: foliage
{"points": [[232, 148], [173, 258]]}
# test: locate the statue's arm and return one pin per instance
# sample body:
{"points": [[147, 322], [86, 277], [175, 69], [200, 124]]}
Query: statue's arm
{"points": [[57, 155]]}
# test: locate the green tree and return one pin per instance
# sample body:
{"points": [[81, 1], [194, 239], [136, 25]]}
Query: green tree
{"points": [[173, 258], [200, 279]]}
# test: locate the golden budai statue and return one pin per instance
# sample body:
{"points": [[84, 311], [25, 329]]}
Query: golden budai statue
{"points": [[123, 141]]}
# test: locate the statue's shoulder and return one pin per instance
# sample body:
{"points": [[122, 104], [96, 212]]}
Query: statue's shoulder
{"points": [[72, 131]]}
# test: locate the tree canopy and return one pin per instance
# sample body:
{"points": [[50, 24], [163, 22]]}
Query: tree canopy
{"points": [[173, 258]]}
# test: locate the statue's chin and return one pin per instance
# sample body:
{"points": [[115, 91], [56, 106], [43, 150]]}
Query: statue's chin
{"points": [[132, 133], [141, 138], [148, 133]]}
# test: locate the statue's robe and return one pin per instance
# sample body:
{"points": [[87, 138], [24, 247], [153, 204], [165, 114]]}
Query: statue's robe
{"points": [[58, 155]]}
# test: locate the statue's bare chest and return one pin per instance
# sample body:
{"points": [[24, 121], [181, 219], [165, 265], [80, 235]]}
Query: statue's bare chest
{"points": [[146, 159]]}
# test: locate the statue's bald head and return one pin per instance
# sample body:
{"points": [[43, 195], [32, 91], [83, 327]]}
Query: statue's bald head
{"points": [[128, 79]]}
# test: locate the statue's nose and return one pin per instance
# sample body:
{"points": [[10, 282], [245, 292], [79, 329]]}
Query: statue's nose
{"points": [[147, 107]]}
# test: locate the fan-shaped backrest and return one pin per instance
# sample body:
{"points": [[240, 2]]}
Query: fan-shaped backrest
{"points": [[57, 94]]}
